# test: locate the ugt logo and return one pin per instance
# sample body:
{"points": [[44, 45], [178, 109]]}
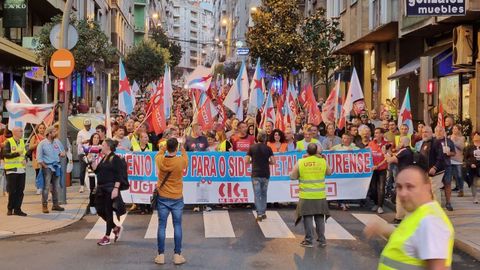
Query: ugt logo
{"points": [[232, 193]]}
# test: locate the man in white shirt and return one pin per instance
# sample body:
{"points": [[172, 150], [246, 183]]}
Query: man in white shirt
{"points": [[98, 105], [83, 138], [425, 236]]}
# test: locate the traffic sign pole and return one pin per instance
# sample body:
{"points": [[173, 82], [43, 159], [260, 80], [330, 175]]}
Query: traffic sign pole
{"points": [[63, 117]]}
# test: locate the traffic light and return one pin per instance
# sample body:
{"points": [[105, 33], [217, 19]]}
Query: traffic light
{"points": [[61, 85], [430, 86]]}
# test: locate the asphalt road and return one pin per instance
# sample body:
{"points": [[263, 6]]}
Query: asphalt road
{"points": [[248, 248]]}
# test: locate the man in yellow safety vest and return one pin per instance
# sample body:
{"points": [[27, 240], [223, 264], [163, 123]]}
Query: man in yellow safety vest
{"points": [[424, 238], [14, 158], [310, 172]]}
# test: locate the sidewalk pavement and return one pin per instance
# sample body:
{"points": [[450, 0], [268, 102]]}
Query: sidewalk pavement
{"points": [[36, 222], [466, 222]]}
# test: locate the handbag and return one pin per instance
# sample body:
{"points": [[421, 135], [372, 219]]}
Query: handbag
{"points": [[155, 195]]}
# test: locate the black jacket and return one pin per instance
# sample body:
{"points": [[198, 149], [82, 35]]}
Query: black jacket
{"points": [[431, 155]]}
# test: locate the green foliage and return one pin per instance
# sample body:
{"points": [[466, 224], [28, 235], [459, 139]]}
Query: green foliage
{"points": [[275, 37], [159, 36], [145, 62], [231, 69], [93, 44], [219, 69], [320, 38]]}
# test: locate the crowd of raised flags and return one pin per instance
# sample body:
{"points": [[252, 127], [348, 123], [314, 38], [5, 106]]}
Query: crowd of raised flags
{"points": [[211, 100]]}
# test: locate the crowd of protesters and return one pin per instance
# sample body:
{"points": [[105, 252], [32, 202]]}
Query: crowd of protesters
{"points": [[443, 156]]}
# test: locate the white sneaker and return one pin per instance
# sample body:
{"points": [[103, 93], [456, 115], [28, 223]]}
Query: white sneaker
{"points": [[93, 211], [207, 208], [375, 208], [82, 189], [39, 191], [380, 210], [196, 209]]}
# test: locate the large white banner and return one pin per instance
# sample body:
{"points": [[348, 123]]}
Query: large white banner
{"points": [[224, 177]]}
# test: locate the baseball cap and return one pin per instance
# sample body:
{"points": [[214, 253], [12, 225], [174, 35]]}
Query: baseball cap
{"points": [[87, 122]]}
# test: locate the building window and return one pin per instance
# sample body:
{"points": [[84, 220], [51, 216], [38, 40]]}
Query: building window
{"points": [[343, 6]]}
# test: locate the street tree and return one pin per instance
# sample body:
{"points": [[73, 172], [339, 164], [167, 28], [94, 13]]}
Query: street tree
{"points": [[92, 46], [275, 37], [321, 37], [159, 36], [145, 62]]}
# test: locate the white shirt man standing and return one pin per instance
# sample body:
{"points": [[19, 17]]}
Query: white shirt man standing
{"points": [[83, 138]]}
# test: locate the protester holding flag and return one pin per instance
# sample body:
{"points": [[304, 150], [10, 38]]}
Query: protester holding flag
{"points": [[196, 142], [49, 152], [38, 136]]}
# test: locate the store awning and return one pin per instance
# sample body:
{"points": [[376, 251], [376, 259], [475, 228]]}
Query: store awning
{"points": [[415, 64], [14, 55], [405, 70]]}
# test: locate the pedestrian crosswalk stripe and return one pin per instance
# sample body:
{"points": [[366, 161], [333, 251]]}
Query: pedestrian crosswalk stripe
{"points": [[217, 224], [274, 226], [98, 231], [153, 227], [371, 218], [335, 231]]}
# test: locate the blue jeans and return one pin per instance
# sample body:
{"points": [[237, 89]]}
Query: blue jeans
{"points": [[260, 187], [164, 207], [456, 171]]}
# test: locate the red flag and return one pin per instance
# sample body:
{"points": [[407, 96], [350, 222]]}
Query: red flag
{"points": [[314, 115], [279, 119], [303, 95], [178, 114], [440, 115], [206, 114], [158, 123]]}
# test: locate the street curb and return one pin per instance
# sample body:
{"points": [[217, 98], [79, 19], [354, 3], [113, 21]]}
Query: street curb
{"points": [[463, 245], [82, 210], [466, 247]]}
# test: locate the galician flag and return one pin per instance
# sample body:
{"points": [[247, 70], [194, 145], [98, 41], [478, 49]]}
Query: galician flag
{"points": [[238, 93], [28, 113], [268, 110], [200, 78], [405, 116], [257, 87], [18, 96], [125, 99]]}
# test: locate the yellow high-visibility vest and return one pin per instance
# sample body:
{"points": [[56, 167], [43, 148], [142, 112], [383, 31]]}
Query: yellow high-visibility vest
{"points": [[394, 255], [14, 163], [312, 171]]}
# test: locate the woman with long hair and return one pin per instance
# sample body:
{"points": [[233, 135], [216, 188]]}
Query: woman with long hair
{"points": [[32, 146], [92, 154], [277, 142], [224, 145]]}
